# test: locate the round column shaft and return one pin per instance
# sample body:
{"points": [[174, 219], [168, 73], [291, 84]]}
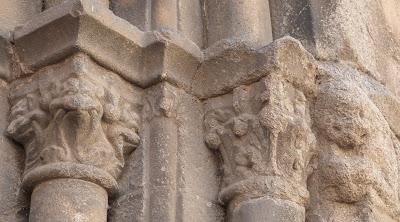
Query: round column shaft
{"points": [[68, 200], [244, 20]]}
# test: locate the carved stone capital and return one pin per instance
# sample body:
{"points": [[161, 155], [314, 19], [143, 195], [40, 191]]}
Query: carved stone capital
{"points": [[74, 122], [263, 133]]}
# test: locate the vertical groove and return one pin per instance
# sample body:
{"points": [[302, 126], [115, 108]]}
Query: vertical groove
{"points": [[178, 16], [205, 22], [148, 15]]}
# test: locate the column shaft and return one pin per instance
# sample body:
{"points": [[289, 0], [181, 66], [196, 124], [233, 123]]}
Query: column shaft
{"points": [[247, 20], [68, 200], [164, 14]]}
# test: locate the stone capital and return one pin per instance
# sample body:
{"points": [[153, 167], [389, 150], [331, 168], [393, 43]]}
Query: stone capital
{"points": [[263, 133], [74, 122]]}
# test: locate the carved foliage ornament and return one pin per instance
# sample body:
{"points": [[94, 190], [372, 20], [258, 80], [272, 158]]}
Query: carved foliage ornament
{"points": [[70, 121], [264, 139]]}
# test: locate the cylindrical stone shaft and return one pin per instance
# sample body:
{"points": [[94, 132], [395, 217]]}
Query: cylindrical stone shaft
{"points": [[247, 20], [164, 15], [163, 160], [266, 209], [68, 200]]}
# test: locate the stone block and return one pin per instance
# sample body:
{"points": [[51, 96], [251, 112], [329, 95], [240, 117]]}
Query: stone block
{"points": [[229, 65], [78, 26]]}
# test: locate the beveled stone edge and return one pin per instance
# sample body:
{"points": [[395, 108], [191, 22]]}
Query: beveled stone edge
{"points": [[80, 11], [160, 42], [273, 58]]}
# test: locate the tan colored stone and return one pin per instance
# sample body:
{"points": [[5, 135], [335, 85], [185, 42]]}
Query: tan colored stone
{"points": [[200, 110], [68, 200]]}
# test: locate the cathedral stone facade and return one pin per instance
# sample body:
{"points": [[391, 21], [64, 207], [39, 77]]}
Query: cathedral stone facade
{"points": [[199, 111]]}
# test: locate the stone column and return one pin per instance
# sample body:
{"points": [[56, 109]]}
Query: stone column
{"points": [[164, 14], [263, 133], [163, 148], [76, 129], [69, 200], [245, 20]]}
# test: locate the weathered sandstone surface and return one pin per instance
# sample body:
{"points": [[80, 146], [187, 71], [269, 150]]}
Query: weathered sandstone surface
{"points": [[199, 111]]}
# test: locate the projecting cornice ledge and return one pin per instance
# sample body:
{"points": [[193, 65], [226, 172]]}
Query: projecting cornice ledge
{"points": [[228, 65], [146, 58], [84, 26]]}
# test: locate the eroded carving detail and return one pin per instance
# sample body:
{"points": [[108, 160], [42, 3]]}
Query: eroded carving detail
{"points": [[265, 140], [162, 101], [358, 158], [72, 122]]}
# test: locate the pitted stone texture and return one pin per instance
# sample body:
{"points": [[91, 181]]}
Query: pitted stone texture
{"points": [[357, 173], [15, 13], [360, 32], [293, 18], [267, 209], [231, 64], [51, 3], [263, 134], [13, 206], [75, 122], [291, 134], [68, 200], [143, 58], [180, 163], [243, 20]]}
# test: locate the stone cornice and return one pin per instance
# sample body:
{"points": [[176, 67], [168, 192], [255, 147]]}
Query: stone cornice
{"points": [[79, 25], [146, 58], [229, 64]]}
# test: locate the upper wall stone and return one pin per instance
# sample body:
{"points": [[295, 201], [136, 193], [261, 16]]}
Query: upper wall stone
{"points": [[360, 32], [16, 12]]}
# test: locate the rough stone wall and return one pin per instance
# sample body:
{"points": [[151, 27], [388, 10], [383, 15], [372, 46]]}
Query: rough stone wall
{"points": [[201, 110]]}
